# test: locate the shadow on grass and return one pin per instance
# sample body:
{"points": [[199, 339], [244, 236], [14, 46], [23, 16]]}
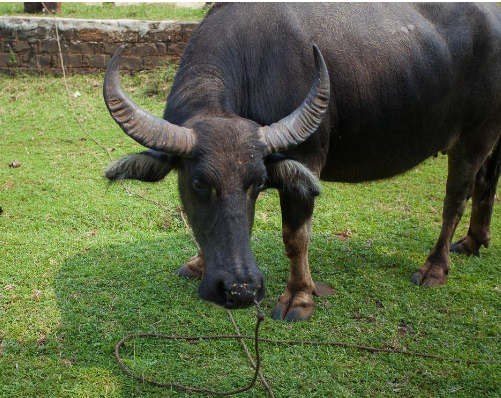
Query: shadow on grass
{"points": [[106, 293]]}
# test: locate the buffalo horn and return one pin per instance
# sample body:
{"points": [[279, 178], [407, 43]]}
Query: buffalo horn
{"points": [[304, 121], [146, 129]]}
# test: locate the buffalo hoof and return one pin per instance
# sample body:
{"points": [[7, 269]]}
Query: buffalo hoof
{"points": [[194, 268], [299, 306], [467, 246], [430, 275], [293, 309]]}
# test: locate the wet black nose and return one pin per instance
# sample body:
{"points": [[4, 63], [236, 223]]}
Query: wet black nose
{"points": [[232, 290], [242, 295]]}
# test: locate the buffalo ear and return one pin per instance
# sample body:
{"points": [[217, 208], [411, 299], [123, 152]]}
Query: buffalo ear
{"points": [[291, 175], [148, 166]]}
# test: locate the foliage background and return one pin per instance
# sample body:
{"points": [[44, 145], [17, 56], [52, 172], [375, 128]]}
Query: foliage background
{"points": [[149, 11]]}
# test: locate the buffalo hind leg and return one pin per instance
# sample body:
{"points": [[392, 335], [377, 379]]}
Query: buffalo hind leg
{"points": [[297, 302], [482, 202], [465, 161], [194, 267]]}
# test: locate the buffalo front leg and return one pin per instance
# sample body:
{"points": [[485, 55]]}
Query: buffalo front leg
{"points": [[194, 267], [297, 302], [482, 202]]}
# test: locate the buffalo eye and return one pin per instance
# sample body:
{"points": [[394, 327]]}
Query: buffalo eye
{"points": [[197, 184], [261, 184]]}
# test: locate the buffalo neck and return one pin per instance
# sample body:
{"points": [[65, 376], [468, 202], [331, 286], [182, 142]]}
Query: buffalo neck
{"points": [[240, 72]]}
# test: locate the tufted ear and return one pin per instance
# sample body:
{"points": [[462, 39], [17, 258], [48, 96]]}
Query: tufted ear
{"points": [[148, 166], [290, 175]]}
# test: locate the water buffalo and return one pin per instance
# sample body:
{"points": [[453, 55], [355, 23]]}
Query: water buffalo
{"points": [[251, 108]]}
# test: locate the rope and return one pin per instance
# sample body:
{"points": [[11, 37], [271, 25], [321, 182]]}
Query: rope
{"points": [[260, 318], [257, 365], [249, 357]]}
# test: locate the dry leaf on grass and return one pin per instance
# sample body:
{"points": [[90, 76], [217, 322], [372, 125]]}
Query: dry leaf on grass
{"points": [[15, 164]]}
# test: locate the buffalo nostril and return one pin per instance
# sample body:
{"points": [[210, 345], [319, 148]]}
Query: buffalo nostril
{"points": [[229, 298], [239, 295]]}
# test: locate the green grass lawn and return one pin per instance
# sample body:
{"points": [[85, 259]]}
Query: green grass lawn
{"points": [[83, 263], [153, 12]]}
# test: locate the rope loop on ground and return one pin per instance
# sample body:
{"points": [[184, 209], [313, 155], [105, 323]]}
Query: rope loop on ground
{"points": [[260, 318]]}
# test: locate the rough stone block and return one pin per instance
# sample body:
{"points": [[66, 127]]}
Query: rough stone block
{"points": [[49, 46], [27, 35], [176, 49], [142, 50], [110, 48], [86, 61], [99, 61], [161, 48], [150, 49], [72, 61], [113, 37], [129, 36], [44, 61], [8, 33], [68, 34], [134, 50], [5, 60], [85, 48], [164, 36], [41, 32], [153, 62], [91, 35], [35, 47], [24, 34], [20, 46], [25, 58], [131, 63], [31, 61], [5, 46]]}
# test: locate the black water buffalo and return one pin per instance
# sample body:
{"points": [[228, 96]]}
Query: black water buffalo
{"points": [[400, 82]]}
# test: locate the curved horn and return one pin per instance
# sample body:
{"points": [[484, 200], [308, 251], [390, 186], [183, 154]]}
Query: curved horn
{"points": [[304, 121], [146, 129]]}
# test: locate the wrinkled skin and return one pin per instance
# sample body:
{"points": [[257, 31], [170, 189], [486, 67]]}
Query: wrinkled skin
{"points": [[219, 192]]}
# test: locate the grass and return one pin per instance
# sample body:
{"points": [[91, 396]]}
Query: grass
{"points": [[83, 263], [147, 11]]}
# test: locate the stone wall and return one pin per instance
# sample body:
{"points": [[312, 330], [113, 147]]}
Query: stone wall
{"points": [[29, 45]]}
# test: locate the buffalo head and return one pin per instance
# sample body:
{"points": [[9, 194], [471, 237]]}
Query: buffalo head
{"points": [[221, 171]]}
